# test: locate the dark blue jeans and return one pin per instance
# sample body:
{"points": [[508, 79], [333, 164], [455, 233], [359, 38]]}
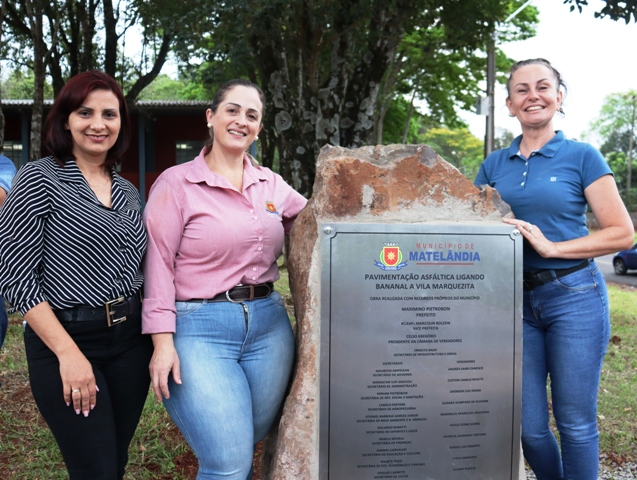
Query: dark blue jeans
{"points": [[4, 321], [566, 331], [95, 447]]}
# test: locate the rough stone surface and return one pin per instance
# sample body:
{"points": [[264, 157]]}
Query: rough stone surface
{"points": [[383, 184]]}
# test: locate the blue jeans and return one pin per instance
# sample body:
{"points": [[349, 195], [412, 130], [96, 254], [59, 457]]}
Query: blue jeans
{"points": [[4, 321], [236, 360], [566, 331]]}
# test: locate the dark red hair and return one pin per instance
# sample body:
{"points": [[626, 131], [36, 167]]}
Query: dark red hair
{"points": [[59, 140]]}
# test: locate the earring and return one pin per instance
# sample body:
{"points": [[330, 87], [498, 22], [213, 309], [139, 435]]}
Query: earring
{"points": [[256, 138], [511, 115], [209, 125]]}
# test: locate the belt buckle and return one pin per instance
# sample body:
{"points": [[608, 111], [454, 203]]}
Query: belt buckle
{"points": [[230, 299], [240, 285], [110, 313]]}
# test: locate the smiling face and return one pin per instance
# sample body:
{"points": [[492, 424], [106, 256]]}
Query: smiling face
{"points": [[95, 126], [237, 120], [534, 96]]}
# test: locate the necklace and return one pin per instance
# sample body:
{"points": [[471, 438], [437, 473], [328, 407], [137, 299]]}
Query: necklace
{"points": [[99, 186]]}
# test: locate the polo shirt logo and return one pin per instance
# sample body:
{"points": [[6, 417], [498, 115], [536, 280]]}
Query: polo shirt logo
{"points": [[553, 179], [270, 207]]}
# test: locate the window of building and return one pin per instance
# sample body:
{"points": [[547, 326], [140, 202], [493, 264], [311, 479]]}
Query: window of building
{"points": [[13, 150], [187, 150]]}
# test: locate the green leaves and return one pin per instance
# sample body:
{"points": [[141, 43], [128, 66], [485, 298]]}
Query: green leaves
{"points": [[616, 125], [614, 9]]}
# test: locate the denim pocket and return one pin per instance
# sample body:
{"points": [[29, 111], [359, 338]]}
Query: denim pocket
{"points": [[277, 298], [581, 280], [186, 308]]}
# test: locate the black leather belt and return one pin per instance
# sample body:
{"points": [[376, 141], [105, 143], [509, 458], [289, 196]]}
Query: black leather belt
{"points": [[113, 312], [240, 293], [535, 279]]}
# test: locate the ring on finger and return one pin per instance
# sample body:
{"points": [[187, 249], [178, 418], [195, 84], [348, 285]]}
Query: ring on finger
{"points": [[75, 390], [529, 228]]}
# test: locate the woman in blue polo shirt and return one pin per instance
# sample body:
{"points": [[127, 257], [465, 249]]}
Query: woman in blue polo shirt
{"points": [[549, 181], [7, 171]]}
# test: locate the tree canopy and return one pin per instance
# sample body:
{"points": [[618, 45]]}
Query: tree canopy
{"points": [[614, 122], [79, 35], [331, 69], [458, 147], [616, 125], [64, 37], [614, 9]]}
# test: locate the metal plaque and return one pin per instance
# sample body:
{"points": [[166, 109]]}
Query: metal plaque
{"points": [[421, 329]]}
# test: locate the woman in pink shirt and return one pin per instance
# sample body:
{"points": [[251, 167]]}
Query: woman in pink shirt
{"points": [[224, 347]]}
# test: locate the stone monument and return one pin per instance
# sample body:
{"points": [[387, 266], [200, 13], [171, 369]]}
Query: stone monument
{"points": [[405, 193]]}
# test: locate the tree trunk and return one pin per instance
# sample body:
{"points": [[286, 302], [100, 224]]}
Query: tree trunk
{"points": [[145, 80], [309, 105], [35, 14], [110, 39], [408, 121], [88, 32]]}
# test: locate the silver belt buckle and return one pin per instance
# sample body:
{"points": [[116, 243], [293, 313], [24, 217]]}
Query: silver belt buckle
{"points": [[230, 299], [110, 313]]}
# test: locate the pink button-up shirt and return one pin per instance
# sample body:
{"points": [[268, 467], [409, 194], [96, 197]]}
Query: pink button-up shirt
{"points": [[204, 237]]}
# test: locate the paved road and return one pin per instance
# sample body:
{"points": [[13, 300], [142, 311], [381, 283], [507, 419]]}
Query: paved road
{"points": [[606, 266]]}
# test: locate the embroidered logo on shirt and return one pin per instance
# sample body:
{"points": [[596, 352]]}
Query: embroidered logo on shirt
{"points": [[269, 206], [553, 179]]}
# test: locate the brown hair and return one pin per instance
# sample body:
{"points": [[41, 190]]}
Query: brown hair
{"points": [[221, 95], [59, 140], [537, 61]]}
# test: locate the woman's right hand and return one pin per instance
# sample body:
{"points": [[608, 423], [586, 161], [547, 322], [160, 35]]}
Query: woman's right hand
{"points": [[78, 381], [163, 362]]}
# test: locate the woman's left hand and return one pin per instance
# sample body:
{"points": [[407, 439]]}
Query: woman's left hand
{"points": [[534, 236]]}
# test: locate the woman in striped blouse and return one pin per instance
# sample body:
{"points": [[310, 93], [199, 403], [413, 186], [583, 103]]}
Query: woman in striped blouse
{"points": [[71, 244]]}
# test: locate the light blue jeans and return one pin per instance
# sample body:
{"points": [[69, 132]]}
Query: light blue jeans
{"points": [[566, 331], [236, 360]]}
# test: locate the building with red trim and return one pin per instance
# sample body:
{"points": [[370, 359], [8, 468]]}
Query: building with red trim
{"points": [[164, 133]]}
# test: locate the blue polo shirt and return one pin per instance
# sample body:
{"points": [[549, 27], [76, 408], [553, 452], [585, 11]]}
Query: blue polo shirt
{"points": [[7, 171], [547, 190]]}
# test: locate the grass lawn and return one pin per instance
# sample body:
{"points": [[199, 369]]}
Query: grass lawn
{"points": [[618, 393], [158, 451]]}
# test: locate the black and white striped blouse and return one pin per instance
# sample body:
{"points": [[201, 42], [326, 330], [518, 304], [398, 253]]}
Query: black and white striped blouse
{"points": [[59, 243]]}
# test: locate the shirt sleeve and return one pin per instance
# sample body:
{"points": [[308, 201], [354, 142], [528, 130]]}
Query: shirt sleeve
{"points": [[7, 171], [294, 203], [594, 166], [22, 220], [481, 178], [165, 224]]}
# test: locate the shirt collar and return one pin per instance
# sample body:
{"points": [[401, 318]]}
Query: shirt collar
{"points": [[70, 172], [548, 150], [199, 172]]}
